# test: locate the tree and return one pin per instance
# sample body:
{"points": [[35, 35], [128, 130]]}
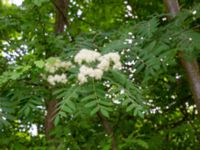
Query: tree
{"points": [[60, 22], [99, 74]]}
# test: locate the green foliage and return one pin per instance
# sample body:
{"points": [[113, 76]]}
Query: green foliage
{"points": [[147, 103], [14, 74], [67, 105], [7, 110], [39, 2]]}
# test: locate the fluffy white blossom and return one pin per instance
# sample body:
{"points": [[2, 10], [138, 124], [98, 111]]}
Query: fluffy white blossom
{"points": [[86, 72], [57, 79], [65, 65], [117, 65], [97, 73], [105, 62], [107, 59], [82, 78], [87, 56], [55, 64], [50, 68], [114, 57], [51, 80]]}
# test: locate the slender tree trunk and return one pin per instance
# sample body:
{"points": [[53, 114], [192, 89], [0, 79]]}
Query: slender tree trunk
{"points": [[51, 111], [61, 17], [61, 21], [191, 67], [108, 129]]}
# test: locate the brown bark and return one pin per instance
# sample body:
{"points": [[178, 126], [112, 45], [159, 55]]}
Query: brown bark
{"points": [[191, 67], [108, 129], [51, 111], [172, 7], [61, 17], [193, 74], [61, 9]]}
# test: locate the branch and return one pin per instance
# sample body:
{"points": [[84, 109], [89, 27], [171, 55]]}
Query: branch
{"points": [[191, 67], [108, 130]]}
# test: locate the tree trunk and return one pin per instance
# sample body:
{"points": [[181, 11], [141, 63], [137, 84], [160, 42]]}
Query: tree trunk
{"points": [[51, 111], [61, 21], [191, 67], [61, 17]]}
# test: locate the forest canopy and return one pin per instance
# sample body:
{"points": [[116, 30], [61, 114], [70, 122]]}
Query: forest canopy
{"points": [[99, 74]]}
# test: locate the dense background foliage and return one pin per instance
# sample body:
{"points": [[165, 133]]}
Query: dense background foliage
{"points": [[146, 105]]}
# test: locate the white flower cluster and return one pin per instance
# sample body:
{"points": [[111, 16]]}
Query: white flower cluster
{"points": [[105, 62], [107, 59], [57, 79], [54, 64], [86, 55], [89, 72]]}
